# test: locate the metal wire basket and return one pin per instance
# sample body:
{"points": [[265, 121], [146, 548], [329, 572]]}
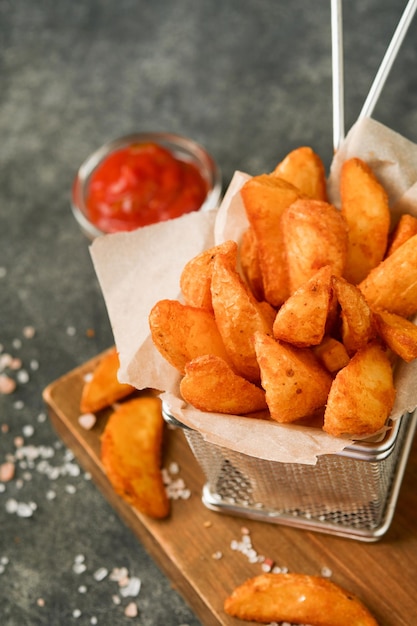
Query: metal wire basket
{"points": [[351, 494]]}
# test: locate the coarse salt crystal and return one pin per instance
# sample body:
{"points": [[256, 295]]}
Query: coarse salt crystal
{"points": [[22, 377], [79, 568], [87, 420], [119, 573], [17, 343], [28, 430], [100, 574], [28, 332], [76, 613], [132, 588], [34, 365]]}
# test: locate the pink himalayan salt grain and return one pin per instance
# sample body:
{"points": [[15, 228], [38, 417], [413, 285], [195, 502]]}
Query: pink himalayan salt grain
{"points": [[131, 610], [6, 471], [7, 384]]}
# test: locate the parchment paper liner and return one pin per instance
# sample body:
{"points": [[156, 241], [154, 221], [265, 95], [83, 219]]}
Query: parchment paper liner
{"points": [[137, 269]]}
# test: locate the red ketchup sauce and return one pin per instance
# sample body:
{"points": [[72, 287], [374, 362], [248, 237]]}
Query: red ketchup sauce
{"points": [[142, 184]]}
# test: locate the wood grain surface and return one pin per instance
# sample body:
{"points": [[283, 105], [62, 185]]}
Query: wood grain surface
{"points": [[193, 545]]}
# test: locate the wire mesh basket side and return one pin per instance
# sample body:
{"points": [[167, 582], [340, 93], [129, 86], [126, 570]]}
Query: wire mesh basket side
{"points": [[339, 494]]}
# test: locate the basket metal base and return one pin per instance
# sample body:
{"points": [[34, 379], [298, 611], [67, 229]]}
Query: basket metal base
{"points": [[346, 525]]}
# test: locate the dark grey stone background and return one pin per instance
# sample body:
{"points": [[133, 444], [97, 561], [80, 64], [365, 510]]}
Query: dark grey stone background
{"points": [[248, 79]]}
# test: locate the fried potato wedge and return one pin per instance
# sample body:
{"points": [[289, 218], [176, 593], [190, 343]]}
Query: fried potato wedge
{"points": [[332, 354], [358, 326], [315, 235], [265, 198], [211, 385], [181, 333], [364, 205], [295, 383], [297, 599], [406, 228], [398, 333], [392, 285], [362, 394], [302, 318], [104, 389], [195, 279], [304, 169], [238, 316], [131, 451], [249, 261]]}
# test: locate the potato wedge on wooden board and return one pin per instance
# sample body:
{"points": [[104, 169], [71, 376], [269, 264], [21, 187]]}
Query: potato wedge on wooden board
{"points": [[364, 205], [358, 327], [238, 316], [249, 261], [211, 385], [304, 169], [399, 334], [103, 388], [181, 333], [392, 285], [265, 198], [295, 383], [297, 599], [302, 318], [314, 235], [131, 450], [195, 279], [406, 228], [362, 394]]}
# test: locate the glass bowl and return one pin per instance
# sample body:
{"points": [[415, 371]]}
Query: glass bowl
{"points": [[182, 148]]}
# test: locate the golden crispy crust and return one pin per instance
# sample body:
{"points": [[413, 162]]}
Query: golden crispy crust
{"points": [[299, 599]]}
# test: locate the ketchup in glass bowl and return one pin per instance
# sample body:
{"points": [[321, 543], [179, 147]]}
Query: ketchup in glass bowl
{"points": [[142, 179]]}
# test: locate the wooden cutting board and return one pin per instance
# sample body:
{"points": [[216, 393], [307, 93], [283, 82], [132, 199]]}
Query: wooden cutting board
{"points": [[193, 545]]}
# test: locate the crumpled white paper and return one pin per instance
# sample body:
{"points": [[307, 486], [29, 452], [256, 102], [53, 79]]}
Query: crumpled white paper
{"points": [[137, 269]]}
